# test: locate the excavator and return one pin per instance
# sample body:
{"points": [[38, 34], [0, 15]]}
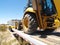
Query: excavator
{"points": [[42, 14]]}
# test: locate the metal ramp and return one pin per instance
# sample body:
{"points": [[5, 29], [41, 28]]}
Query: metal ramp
{"points": [[36, 40]]}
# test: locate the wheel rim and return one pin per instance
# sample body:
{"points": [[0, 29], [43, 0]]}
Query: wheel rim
{"points": [[25, 24]]}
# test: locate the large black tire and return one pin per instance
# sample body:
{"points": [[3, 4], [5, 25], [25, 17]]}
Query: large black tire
{"points": [[20, 26], [29, 23]]}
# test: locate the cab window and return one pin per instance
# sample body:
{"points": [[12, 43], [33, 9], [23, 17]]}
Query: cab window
{"points": [[48, 7]]}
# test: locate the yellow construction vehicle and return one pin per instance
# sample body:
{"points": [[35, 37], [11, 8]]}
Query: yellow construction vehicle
{"points": [[14, 25], [44, 14]]}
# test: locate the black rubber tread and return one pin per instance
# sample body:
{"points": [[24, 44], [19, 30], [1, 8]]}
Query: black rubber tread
{"points": [[20, 26], [32, 25]]}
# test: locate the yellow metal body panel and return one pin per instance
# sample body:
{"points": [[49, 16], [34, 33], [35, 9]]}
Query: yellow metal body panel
{"points": [[12, 26], [57, 23], [30, 9], [57, 5]]}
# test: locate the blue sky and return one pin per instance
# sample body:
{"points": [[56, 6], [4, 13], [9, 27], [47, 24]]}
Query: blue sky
{"points": [[11, 9]]}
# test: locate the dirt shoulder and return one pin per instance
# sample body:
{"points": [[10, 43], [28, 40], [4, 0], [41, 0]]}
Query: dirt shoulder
{"points": [[6, 38]]}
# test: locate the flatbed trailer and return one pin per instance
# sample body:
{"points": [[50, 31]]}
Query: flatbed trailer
{"points": [[37, 39]]}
